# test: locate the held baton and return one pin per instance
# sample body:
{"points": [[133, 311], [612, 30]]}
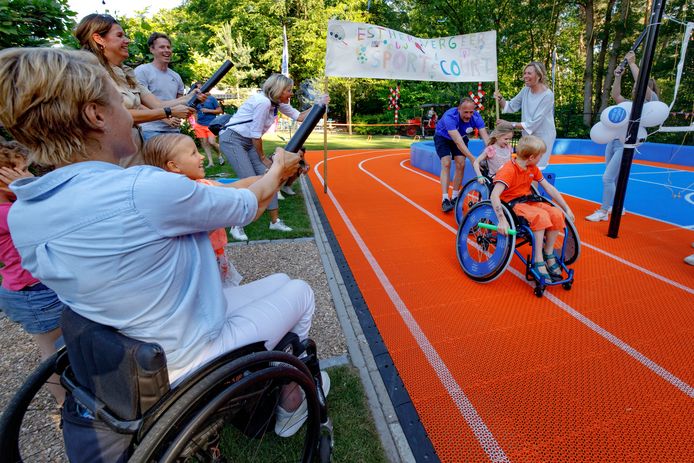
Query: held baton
{"points": [[306, 127], [489, 226], [211, 82], [639, 39]]}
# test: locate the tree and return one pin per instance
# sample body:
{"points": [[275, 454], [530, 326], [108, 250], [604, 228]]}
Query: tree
{"points": [[33, 23]]}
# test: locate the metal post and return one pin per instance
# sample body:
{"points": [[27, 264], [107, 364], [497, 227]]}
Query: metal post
{"points": [[325, 141], [635, 117]]}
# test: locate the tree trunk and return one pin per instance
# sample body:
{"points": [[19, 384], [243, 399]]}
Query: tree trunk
{"points": [[612, 64], [588, 72], [598, 88]]}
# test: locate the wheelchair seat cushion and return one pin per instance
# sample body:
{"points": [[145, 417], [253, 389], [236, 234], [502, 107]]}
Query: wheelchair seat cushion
{"points": [[129, 376]]}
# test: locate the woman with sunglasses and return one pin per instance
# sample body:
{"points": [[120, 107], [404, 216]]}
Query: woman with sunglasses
{"points": [[241, 140]]}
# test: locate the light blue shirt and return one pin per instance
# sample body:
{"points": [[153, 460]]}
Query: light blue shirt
{"points": [[129, 248]]}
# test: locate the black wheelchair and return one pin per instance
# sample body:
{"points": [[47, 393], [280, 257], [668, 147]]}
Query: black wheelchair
{"points": [[484, 254], [118, 391]]}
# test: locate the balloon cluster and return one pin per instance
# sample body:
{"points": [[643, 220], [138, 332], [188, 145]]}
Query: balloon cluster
{"points": [[615, 119]]}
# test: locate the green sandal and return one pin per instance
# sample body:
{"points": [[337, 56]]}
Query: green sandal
{"points": [[543, 275], [553, 268]]}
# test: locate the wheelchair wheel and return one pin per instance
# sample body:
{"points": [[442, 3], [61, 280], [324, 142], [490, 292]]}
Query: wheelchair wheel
{"points": [[484, 254], [571, 243], [29, 426], [470, 194], [203, 424]]}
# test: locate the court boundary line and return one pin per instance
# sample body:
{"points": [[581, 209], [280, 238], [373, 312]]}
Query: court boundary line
{"points": [[605, 334], [483, 435], [588, 245]]}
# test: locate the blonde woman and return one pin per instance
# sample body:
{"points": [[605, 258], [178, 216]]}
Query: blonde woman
{"points": [[536, 104], [241, 141], [129, 248], [101, 35]]}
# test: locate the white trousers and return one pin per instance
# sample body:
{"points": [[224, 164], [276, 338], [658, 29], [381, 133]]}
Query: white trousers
{"points": [[263, 310]]}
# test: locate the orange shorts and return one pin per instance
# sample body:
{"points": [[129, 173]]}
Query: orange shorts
{"points": [[541, 216], [202, 131]]}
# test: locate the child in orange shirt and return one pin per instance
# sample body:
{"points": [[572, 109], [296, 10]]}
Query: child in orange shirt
{"points": [[513, 181], [178, 154]]}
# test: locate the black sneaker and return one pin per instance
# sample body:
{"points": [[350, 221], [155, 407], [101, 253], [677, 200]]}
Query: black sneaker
{"points": [[447, 205]]}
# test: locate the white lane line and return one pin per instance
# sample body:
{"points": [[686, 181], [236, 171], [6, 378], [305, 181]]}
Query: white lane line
{"points": [[477, 425], [595, 248]]}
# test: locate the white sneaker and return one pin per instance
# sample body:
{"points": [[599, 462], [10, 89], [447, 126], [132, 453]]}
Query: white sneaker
{"points": [[287, 190], [689, 259], [279, 196], [238, 234], [288, 423], [280, 226], [597, 216], [624, 211]]}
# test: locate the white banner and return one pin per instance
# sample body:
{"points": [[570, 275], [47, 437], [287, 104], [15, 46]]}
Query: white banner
{"points": [[365, 50]]}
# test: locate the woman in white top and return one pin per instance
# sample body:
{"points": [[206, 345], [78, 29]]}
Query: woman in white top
{"points": [[536, 104], [241, 141]]}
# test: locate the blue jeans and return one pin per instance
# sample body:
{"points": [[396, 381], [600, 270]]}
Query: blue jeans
{"points": [[38, 310], [613, 160]]}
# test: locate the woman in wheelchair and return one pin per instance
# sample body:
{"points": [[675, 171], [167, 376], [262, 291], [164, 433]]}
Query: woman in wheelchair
{"points": [[512, 182], [129, 248]]}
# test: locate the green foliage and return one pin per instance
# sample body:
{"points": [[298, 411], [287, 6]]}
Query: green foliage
{"points": [[33, 23]]}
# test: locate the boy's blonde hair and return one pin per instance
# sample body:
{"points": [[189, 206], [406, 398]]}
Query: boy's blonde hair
{"points": [[529, 146], [275, 85], [44, 92], [13, 154], [499, 131], [158, 150]]}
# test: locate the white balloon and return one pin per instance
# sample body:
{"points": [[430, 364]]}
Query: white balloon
{"points": [[643, 133], [626, 104], [654, 113], [614, 116], [601, 134], [621, 134]]}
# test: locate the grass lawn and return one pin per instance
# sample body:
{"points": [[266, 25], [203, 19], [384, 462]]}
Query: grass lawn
{"points": [[355, 437]]}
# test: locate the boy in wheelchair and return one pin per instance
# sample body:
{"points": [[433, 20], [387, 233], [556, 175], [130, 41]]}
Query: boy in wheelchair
{"points": [[512, 184]]}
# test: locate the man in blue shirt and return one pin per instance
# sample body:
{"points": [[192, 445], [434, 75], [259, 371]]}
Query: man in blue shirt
{"points": [[207, 111], [451, 139]]}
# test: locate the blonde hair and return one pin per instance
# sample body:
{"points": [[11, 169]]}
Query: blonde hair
{"points": [[499, 131], [13, 154], [44, 92], [158, 150], [275, 85], [539, 69], [529, 146], [99, 24]]}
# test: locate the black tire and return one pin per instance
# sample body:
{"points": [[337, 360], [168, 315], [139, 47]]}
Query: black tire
{"points": [[32, 418], [572, 243], [484, 254], [539, 291], [201, 415], [325, 449], [566, 286]]}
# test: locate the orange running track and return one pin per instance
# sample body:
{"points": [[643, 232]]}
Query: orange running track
{"points": [[601, 373]]}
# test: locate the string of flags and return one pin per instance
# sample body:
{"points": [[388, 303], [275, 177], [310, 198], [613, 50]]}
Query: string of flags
{"points": [[477, 98], [394, 101]]}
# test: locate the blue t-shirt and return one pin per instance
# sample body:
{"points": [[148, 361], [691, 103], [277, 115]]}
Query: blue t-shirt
{"points": [[451, 121], [205, 118]]}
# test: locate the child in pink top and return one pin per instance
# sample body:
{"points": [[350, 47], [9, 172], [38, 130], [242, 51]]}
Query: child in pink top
{"points": [[23, 298], [177, 153], [497, 153]]}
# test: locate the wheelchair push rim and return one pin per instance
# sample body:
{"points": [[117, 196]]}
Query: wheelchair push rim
{"points": [[484, 254], [210, 407], [471, 194]]}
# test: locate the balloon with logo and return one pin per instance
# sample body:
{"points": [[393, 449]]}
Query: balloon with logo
{"points": [[614, 117]]}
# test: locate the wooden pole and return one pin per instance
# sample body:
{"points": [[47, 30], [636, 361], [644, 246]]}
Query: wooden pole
{"points": [[496, 89], [325, 141]]}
